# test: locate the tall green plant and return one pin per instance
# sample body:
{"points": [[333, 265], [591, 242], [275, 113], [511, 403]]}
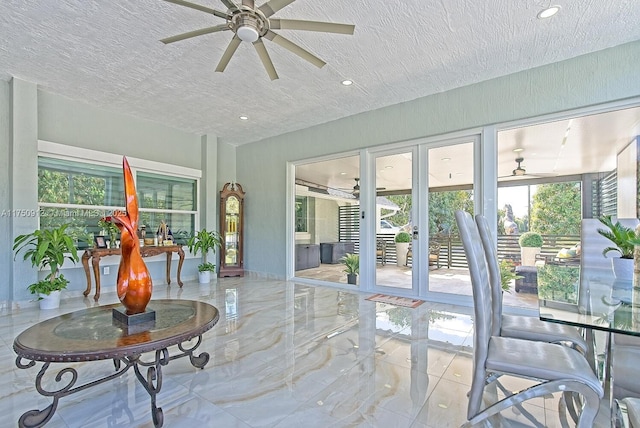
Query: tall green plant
{"points": [[623, 237], [47, 248], [205, 241]]}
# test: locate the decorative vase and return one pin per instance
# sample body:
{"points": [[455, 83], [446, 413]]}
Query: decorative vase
{"points": [[204, 277], [50, 301], [622, 268], [401, 253], [528, 255]]}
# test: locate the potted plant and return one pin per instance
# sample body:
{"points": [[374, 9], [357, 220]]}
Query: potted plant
{"points": [[507, 274], [351, 267], [47, 248], [402, 240], [624, 238], [530, 246], [204, 241], [109, 229]]}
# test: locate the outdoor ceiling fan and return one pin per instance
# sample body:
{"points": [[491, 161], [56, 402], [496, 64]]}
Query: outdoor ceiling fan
{"points": [[251, 24], [521, 171], [356, 188]]}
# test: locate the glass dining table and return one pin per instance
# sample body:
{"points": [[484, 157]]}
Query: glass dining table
{"points": [[594, 300]]}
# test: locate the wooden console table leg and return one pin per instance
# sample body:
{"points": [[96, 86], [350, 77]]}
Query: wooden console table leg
{"points": [[85, 264], [96, 273], [181, 255], [169, 267]]}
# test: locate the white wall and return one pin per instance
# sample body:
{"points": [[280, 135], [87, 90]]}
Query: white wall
{"points": [[627, 175], [600, 77]]}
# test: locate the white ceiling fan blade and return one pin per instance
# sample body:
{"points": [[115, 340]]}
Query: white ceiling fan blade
{"points": [[226, 56], [266, 60], [200, 8], [190, 34], [272, 6], [230, 5], [289, 45], [324, 27]]}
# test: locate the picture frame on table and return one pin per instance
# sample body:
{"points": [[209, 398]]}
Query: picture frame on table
{"points": [[100, 241]]}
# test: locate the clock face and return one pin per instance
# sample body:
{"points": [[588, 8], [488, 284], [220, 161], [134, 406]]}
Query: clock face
{"points": [[233, 205]]}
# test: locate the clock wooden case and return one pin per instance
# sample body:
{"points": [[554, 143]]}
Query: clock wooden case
{"points": [[232, 229]]}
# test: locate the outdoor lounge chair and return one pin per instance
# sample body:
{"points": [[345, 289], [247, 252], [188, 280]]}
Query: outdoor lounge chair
{"points": [[381, 251], [556, 368]]}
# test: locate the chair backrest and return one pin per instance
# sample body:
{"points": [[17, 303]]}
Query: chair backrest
{"points": [[491, 254], [474, 251]]}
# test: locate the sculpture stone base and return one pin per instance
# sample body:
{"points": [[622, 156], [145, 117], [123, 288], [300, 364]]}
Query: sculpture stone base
{"points": [[120, 315]]}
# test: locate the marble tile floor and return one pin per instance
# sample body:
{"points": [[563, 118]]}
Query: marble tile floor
{"points": [[441, 280], [282, 355]]}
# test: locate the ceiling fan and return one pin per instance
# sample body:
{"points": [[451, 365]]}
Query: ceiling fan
{"points": [[252, 24], [356, 188], [521, 171]]}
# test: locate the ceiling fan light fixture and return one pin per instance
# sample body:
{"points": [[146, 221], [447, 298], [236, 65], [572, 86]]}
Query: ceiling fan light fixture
{"points": [[247, 33]]}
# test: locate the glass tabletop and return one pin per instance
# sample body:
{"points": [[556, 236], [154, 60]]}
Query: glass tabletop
{"points": [[588, 297], [93, 334]]}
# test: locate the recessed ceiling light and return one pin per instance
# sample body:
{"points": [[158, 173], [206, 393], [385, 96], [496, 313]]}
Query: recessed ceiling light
{"points": [[343, 173], [388, 167], [548, 12], [347, 82], [518, 150], [244, 118], [445, 159]]}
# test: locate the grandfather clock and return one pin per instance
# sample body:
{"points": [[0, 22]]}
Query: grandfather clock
{"points": [[232, 229]]}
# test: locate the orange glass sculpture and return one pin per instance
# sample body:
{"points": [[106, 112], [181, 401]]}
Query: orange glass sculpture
{"points": [[134, 282]]}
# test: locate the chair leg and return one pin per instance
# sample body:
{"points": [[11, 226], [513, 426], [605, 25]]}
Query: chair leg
{"points": [[589, 411]]}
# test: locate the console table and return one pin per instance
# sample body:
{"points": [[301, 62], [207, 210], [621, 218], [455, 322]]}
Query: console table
{"points": [[92, 335], [96, 253]]}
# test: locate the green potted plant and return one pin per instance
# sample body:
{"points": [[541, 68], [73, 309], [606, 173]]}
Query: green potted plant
{"points": [[205, 241], [402, 240], [507, 274], [351, 266], [47, 249], [624, 239], [530, 246], [109, 229]]}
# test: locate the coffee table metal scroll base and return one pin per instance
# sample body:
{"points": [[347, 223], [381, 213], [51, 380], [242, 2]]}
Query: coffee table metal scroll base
{"points": [[152, 382], [89, 335]]}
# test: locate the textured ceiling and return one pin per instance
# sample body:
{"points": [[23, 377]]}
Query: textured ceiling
{"points": [[108, 54]]}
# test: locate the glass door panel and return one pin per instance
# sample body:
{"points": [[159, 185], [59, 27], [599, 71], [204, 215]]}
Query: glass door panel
{"points": [[450, 178], [393, 222], [327, 220]]}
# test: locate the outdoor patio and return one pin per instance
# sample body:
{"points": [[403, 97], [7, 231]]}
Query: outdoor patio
{"points": [[444, 280]]}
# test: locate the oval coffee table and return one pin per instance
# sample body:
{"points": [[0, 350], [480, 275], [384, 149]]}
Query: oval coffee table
{"points": [[92, 335]]}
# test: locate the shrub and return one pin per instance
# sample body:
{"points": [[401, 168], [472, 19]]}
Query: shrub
{"points": [[530, 239], [402, 237]]}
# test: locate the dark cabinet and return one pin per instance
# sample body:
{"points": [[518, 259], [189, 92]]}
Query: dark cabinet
{"points": [[307, 256], [332, 252]]}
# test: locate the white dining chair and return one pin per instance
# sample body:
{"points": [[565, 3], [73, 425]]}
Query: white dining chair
{"points": [[632, 407], [555, 368], [520, 326]]}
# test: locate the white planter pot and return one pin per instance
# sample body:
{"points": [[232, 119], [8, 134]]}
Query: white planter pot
{"points": [[204, 277], [401, 253], [622, 268], [50, 301], [528, 255]]}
